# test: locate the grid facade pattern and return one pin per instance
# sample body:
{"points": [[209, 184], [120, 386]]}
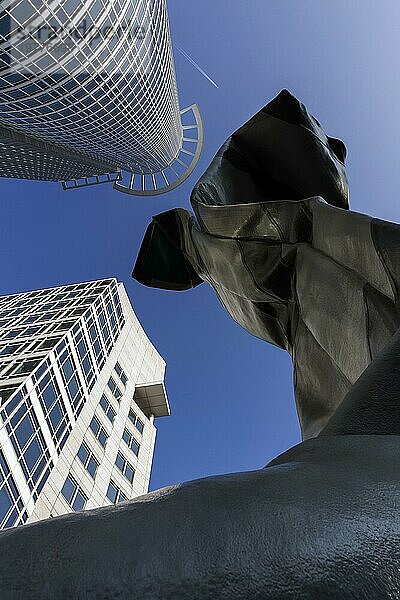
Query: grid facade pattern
{"points": [[61, 320], [12, 510], [23, 156], [93, 77], [72, 435]]}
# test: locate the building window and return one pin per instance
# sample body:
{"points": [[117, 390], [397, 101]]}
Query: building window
{"points": [[136, 421], [99, 432], [116, 392], [54, 409], [115, 494], [10, 349], [107, 408], [29, 443], [75, 497], [6, 392], [131, 442], [84, 357], [96, 342], [12, 510], [88, 460], [25, 367], [121, 374], [71, 380], [105, 330], [125, 467]]}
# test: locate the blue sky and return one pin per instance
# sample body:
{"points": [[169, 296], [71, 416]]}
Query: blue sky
{"points": [[231, 395]]}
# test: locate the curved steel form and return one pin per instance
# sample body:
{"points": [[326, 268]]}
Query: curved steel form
{"points": [[91, 83], [165, 180]]}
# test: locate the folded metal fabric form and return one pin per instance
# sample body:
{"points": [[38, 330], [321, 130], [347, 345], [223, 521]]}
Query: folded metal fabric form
{"points": [[291, 264]]}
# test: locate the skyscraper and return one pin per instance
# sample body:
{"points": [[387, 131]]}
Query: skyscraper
{"points": [[80, 385], [88, 94]]}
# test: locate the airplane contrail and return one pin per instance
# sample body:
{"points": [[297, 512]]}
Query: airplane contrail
{"points": [[194, 63]]}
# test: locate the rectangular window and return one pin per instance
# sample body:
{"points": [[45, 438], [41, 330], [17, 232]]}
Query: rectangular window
{"points": [[12, 510], [10, 349], [131, 442], [29, 443], [116, 392], [54, 409], [6, 392], [70, 375], [115, 494], [134, 419], [96, 341], [121, 374], [105, 331], [88, 460], [107, 408], [26, 367], [99, 432], [125, 467], [84, 358], [75, 497]]}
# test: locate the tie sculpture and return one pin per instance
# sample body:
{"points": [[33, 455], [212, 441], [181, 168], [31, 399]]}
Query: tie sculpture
{"points": [[274, 237], [287, 259]]}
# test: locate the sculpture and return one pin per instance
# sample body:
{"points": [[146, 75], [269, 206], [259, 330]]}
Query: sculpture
{"points": [[320, 521], [286, 258]]}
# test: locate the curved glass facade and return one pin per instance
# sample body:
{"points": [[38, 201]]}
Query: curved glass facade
{"points": [[94, 79]]}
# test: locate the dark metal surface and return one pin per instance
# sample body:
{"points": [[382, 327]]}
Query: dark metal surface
{"points": [[311, 277]]}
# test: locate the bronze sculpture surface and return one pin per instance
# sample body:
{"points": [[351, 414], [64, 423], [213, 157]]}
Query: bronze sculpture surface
{"points": [[288, 261], [273, 236]]}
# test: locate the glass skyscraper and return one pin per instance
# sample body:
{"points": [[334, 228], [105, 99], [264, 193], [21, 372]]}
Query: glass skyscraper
{"points": [[80, 386], [88, 94]]}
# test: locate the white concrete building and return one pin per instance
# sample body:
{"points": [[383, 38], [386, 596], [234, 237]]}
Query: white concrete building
{"points": [[80, 385]]}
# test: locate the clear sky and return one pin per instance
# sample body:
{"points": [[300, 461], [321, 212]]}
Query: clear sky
{"points": [[231, 395]]}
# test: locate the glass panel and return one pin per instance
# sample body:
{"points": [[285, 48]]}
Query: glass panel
{"points": [[79, 502], [94, 426], [11, 519], [5, 503], [49, 395], [112, 492], [56, 416], [92, 466], [18, 415], [102, 438], [83, 454], [103, 403], [67, 369], [24, 431], [43, 480], [86, 365], [32, 454], [129, 473], [120, 461], [135, 447], [68, 489], [73, 386]]}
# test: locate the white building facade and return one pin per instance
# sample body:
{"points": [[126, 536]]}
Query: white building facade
{"points": [[80, 386]]}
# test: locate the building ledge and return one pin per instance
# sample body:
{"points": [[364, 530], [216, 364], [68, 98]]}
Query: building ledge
{"points": [[152, 399]]}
